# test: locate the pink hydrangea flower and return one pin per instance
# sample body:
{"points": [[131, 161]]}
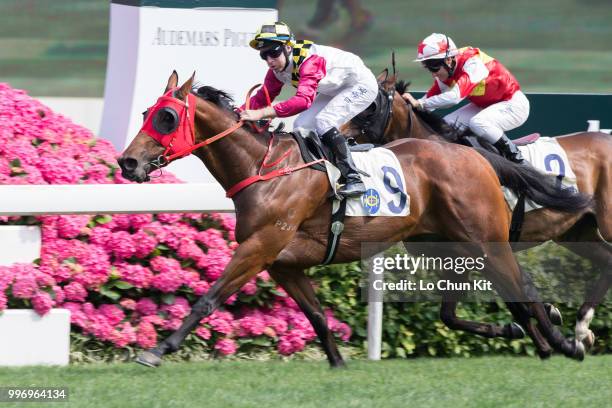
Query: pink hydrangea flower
{"points": [[128, 304], [179, 309], [137, 275], [169, 218], [214, 263], [24, 286], [291, 342], [70, 226], [74, 291], [146, 336], [226, 346], [59, 295], [100, 235], [124, 336], [112, 313], [6, 277], [199, 287], [3, 301], [146, 307], [42, 303], [203, 332], [250, 288], [167, 282], [145, 243], [121, 244], [252, 324]]}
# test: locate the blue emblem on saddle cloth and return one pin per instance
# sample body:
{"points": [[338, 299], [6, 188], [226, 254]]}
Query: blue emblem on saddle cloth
{"points": [[371, 201]]}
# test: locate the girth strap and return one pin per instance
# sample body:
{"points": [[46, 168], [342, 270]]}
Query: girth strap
{"points": [[335, 230], [518, 217]]}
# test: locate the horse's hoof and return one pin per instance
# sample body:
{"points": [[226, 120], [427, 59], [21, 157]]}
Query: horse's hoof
{"points": [[579, 351], [338, 365], [545, 354], [514, 331], [589, 340], [149, 359], [554, 314]]}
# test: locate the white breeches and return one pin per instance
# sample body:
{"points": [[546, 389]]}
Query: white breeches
{"points": [[491, 122], [327, 112]]}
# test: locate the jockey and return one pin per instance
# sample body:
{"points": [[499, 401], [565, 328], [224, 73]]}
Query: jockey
{"points": [[332, 85], [496, 101]]}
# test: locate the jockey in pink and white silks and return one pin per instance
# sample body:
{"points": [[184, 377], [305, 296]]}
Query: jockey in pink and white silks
{"points": [[333, 86], [496, 101]]}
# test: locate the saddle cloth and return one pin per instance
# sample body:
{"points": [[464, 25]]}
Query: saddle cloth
{"points": [[386, 187], [546, 155]]}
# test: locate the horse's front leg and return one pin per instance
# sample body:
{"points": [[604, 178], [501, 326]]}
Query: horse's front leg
{"points": [[250, 258]]}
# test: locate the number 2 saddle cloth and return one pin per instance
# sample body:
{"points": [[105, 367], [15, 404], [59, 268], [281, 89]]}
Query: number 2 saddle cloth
{"points": [[546, 155]]}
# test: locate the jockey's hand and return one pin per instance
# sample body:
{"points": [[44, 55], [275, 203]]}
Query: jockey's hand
{"points": [[251, 114], [412, 101], [257, 114]]}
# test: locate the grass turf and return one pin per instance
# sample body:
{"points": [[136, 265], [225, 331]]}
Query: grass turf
{"points": [[490, 381]]}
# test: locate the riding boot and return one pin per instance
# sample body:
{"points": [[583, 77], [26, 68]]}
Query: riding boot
{"points": [[509, 150], [354, 186]]}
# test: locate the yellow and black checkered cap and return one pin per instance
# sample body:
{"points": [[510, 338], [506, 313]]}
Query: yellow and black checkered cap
{"points": [[272, 32]]}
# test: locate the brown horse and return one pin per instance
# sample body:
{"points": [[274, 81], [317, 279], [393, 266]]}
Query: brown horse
{"points": [[589, 154], [282, 224]]}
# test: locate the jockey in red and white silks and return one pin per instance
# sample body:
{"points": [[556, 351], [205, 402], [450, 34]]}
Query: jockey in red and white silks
{"points": [[497, 103], [332, 87]]}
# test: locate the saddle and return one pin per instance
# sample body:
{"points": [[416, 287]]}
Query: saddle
{"points": [[313, 149]]}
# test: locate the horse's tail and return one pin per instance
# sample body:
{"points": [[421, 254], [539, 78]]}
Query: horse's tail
{"points": [[540, 188]]}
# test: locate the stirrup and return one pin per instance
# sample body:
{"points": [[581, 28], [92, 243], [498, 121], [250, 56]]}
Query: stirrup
{"points": [[352, 190]]}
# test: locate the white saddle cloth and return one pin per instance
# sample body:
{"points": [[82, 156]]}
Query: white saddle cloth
{"points": [[549, 157], [386, 187]]}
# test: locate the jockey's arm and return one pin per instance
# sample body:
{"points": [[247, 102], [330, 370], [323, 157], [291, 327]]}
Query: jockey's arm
{"points": [[311, 72], [273, 85]]}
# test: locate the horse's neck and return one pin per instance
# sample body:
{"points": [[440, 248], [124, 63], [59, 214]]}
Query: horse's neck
{"points": [[232, 158]]}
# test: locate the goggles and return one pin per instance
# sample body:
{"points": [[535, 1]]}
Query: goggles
{"points": [[273, 52], [433, 66]]}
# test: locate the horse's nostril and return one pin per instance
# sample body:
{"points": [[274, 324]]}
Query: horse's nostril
{"points": [[129, 164]]}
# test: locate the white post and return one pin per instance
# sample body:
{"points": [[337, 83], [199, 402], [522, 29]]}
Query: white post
{"points": [[375, 313], [375, 317], [19, 243], [593, 125], [29, 339]]}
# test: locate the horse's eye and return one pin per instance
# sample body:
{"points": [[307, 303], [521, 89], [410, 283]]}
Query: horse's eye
{"points": [[165, 121]]}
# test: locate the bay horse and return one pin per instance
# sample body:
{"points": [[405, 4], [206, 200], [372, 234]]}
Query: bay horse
{"points": [[282, 224], [590, 156]]}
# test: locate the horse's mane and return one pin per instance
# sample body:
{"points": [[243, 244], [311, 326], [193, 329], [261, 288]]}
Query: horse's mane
{"points": [[436, 123], [220, 98]]}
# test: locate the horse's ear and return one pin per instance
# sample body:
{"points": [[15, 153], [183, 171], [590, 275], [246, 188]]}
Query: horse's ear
{"points": [[172, 81], [389, 84], [185, 88], [382, 77]]}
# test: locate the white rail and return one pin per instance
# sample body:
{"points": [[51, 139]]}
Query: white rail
{"points": [[112, 199]]}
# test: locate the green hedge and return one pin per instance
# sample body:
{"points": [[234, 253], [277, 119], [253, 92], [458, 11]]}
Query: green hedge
{"points": [[414, 329]]}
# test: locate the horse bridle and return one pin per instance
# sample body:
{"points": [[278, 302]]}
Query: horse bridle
{"points": [[373, 125]]}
